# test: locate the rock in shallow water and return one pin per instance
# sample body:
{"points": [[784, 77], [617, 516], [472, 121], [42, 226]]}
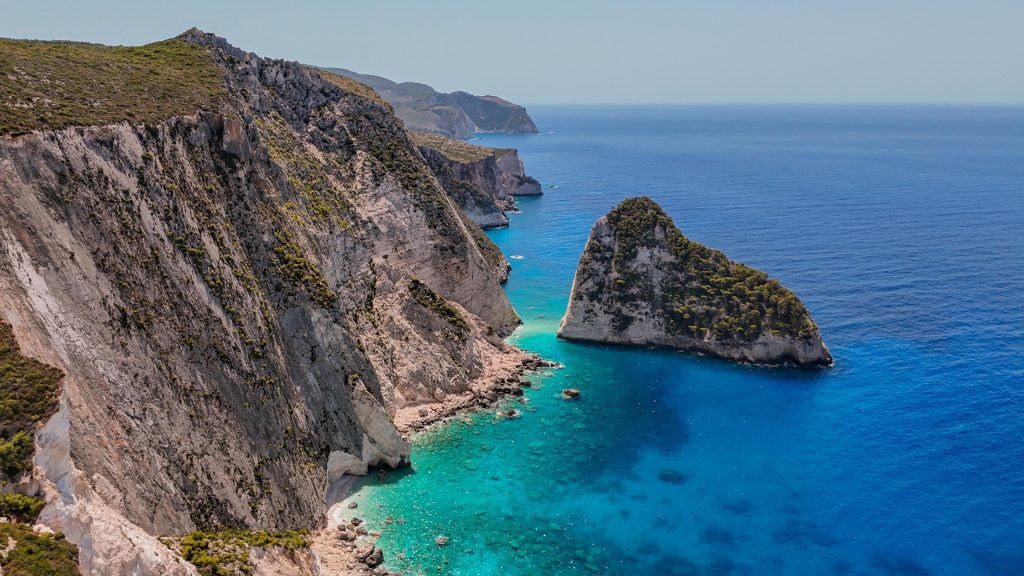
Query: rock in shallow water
{"points": [[376, 558]]}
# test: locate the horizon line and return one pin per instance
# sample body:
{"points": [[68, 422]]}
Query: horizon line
{"points": [[789, 103]]}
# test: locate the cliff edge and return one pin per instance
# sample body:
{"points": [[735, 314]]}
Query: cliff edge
{"points": [[244, 272], [641, 282], [483, 181], [456, 114]]}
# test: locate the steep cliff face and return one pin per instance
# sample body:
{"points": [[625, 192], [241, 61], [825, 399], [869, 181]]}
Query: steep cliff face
{"points": [[641, 282], [241, 291], [493, 114], [458, 114], [483, 181], [512, 174]]}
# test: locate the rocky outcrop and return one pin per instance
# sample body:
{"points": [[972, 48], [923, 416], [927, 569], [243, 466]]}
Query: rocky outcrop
{"points": [[482, 207], [483, 181], [512, 174], [240, 298], [458, 114], [641, 282]]}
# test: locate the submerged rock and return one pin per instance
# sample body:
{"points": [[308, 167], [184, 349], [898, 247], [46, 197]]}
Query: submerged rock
{"points": [[670, 476], [441, 540], [570, 394], [641, 282]]}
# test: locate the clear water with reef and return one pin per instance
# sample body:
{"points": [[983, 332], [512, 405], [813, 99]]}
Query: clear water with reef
{"points": [[901, 228]]}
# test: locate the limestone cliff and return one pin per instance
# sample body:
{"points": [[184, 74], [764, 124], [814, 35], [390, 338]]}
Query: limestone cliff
{"points": [[457, 114], [483, 181], [641, 282], [244, 270]]}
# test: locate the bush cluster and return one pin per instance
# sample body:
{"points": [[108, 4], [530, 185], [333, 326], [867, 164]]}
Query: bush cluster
{"points": [[432, 301], [226, 553], [29, 394], [36, 554], [292, 262], [20, 507]]}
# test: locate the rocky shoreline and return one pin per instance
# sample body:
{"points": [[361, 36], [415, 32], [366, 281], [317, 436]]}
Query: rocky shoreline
{"points": [[347, 546], [506, 379]]}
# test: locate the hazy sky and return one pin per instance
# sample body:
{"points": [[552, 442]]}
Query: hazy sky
{"points": [[533, 51]]}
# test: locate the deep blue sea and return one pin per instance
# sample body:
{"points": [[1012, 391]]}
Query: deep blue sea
{"points": [[901, 228]]}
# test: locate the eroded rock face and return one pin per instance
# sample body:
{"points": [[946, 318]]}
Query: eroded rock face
{"points": [[230, 295], [513, 176], [641, 282], [483, 181], [464, 182]]}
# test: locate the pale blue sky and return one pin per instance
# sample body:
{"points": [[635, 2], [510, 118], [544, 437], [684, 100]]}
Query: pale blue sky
{"points": [[534, 51]]}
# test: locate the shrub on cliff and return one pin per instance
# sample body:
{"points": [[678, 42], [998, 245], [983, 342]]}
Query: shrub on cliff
{"points": [[36, 554], [20, 507], [434, 302], [227, 552], [29, 393]]}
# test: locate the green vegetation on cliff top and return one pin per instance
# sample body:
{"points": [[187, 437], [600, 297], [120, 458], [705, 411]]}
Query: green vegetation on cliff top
{"points": [[54, 85], [29, 393], [704, 290], [455, 149]]}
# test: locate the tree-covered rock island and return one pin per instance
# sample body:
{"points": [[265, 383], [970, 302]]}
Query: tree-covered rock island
{"points": [[641, 282]]}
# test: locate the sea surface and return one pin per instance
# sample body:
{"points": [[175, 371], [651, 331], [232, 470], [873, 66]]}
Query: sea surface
{"points": [[901, 228]]}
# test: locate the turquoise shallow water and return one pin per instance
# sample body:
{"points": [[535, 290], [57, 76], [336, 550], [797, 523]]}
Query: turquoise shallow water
{"points": [[900, 228]]}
